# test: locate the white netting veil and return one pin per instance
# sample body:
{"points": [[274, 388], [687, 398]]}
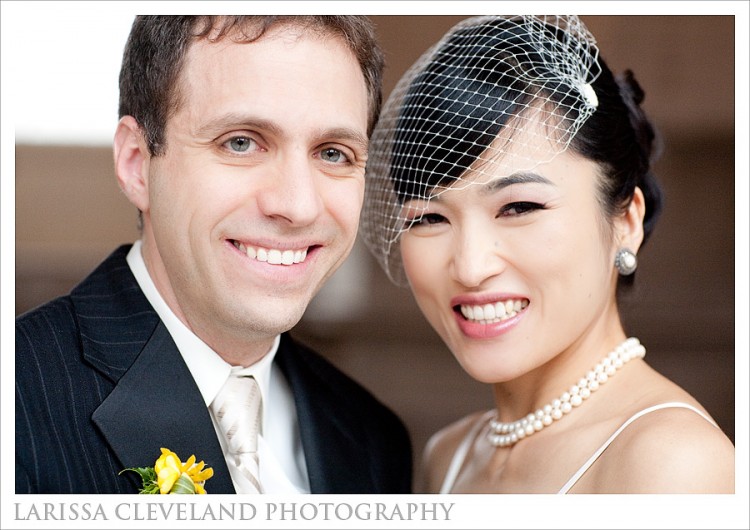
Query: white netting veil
{"points": [[459, 107]]}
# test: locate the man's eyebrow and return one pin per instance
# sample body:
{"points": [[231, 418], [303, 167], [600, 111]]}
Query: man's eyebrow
{"points": [[345, 134], [220, 124], [520, 177]]}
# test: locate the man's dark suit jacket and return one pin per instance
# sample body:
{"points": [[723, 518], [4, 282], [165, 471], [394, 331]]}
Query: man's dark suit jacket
{"points": [[101, 386]]}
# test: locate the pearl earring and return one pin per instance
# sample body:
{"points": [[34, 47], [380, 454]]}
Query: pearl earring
{"points": [[625, 262]]}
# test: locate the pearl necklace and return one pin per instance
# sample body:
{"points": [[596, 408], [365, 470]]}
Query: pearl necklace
{"points": [[503, 434]]}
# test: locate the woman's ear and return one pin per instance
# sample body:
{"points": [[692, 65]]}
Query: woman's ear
{"points": [[132, 162], [629, 226]]}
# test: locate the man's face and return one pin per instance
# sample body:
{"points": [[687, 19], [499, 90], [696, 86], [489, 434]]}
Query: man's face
{"points": [[256, 201]]}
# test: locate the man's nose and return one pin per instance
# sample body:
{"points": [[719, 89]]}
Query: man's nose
{"points": [[292, 190]]}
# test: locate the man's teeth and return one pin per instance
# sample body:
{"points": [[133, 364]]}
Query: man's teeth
{"points": [[491, 313], [272, 255]]}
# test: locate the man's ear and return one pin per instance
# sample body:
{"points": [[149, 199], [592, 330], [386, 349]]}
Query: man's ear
{"points": [[132, 162], [629, 225]]}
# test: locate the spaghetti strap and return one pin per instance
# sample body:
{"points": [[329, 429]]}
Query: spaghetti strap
{"points": [[585, 467], [460, 455]]}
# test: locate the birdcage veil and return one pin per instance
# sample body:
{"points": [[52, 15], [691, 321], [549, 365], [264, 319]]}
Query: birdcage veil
{"points": [[458, 106]]}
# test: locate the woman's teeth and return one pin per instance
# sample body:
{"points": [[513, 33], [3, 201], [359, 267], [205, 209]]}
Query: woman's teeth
{"points": [[272, 255], [491, 313]]}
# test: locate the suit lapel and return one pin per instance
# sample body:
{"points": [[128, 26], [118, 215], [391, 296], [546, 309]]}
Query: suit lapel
{"points": [[337, 460], [155, 404]]}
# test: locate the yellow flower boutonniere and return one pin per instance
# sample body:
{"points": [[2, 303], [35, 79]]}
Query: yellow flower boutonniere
{"points": [[171, 475]]}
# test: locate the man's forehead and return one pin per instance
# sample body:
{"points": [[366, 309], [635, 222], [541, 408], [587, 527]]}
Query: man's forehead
{"points": [[270, 84]]}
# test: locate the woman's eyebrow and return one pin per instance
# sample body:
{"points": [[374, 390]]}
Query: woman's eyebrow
{"points": [[495, 185], [520, 177]]}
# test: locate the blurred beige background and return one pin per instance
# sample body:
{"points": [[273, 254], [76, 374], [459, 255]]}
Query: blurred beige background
{"points": [[70, 215]]}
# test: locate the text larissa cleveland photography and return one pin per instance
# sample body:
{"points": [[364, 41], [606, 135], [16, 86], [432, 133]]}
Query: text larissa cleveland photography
{"points": [[230, 511]]}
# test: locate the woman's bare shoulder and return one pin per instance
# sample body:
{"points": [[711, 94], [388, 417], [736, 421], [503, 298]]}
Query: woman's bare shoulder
{"points": [[672, 450], [440, 449]]}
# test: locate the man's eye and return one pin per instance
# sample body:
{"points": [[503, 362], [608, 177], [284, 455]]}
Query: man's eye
{"points": [[240, 144], [333, 155]]}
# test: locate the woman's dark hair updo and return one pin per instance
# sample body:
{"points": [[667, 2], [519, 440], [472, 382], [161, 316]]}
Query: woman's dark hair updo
{"points": [[620, 137], [455, 108]]}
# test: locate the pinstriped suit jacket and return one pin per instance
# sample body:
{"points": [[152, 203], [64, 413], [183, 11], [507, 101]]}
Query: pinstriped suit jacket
{"points": [[101, 386]]}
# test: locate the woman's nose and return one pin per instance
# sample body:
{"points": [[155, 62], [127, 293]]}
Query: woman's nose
{"points": [[476, 258]]}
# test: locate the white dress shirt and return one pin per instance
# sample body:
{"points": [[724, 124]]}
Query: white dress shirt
{"points": [[282, 461]]}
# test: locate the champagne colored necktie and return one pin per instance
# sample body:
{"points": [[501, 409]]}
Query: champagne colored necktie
{"points": [[238, 411]]}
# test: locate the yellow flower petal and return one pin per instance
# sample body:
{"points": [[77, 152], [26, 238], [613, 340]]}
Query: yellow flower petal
{"points": [[203, 475], [166, 479], [167, 458], [187, 465], [196, 469]]}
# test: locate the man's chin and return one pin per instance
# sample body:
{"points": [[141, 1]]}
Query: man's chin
{"points": [[273, 321]]}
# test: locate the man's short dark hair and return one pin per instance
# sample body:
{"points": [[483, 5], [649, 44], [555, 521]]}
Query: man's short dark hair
{"points": [[156, 49]]}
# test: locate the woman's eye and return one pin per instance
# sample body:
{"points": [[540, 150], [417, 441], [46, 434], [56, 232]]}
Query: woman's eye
{"points": [[240, 144], [426, 219], [333, 155], [519, 208]]}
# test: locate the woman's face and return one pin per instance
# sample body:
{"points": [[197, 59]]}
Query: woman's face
{"points": [[517, 266]]}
